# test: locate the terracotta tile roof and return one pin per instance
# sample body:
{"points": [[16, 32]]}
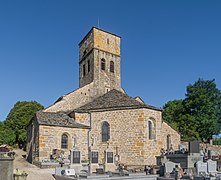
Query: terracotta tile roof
{"points": [[57, 119], [114, 99]]}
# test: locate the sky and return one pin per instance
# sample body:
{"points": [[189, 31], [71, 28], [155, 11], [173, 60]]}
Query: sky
{"points": [[165, 46]]}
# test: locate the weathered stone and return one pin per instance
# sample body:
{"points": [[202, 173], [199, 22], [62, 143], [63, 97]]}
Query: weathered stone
{"points": [[137, 130]]}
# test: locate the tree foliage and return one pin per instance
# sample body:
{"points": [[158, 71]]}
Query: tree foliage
{"points": [[18, 119], [198, 115], [7, 136]]}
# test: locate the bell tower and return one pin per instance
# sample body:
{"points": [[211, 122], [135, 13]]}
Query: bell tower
{"points": [[99, 61]]}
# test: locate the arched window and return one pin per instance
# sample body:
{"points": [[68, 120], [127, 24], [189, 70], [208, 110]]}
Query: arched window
{"points": [[150, 129], [105, 131], [64, 141], [168, 141], [112, 66], [88, 66], [103, 64], [84, 71]]}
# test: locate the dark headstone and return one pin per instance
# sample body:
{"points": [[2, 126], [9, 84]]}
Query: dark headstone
{"points": [[194, 147]]}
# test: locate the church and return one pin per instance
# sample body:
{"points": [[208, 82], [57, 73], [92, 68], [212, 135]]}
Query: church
{"points": [[99, 122]]}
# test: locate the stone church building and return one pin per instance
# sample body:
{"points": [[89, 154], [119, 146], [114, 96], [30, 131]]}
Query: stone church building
{"points": [[99, 122]]}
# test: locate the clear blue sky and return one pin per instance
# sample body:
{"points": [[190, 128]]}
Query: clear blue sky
{"points": [[165, 46]]}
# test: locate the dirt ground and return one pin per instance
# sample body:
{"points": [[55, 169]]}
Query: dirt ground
{"points": [[34, 173]]}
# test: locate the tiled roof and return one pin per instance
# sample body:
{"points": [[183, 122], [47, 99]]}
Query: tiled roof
{"points": [[114, 99], [57, 119]]}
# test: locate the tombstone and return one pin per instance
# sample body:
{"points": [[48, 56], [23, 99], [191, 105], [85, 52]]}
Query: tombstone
{"points": [[168, 167], [75, 158], [201, 168], [6, 166], [194, 147], [211, 167], [94, 157]]}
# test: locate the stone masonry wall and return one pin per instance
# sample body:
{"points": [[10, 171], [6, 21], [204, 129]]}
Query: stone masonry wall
{"points": [[72, 100], [128, 132], [50, 138], [104, 80], [99, 45], [32, 147], [106, 42], [175, 136]]}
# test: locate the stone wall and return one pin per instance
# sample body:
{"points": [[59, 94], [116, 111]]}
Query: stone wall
{"points": [[72, 100], [104, 80], [106, 42], [215, 148], [32, 146], [50, 138], [174, 136], [129, 132], [98, 45]]}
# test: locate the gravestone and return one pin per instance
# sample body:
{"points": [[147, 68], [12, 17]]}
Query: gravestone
{"points": [[211, 167], [194, 147], [201, 167], [76, 160], [169, 166], [6, 166]]}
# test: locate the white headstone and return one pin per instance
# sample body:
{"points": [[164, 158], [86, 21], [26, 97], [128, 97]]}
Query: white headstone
{"points": [[212, 166], [201, 167], [169, 166]]}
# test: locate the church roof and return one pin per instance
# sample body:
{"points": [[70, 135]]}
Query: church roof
{"points": [[57, 119], [112, 100]]}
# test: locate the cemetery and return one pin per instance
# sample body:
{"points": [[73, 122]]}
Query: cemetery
{"points": [[191, 163]]}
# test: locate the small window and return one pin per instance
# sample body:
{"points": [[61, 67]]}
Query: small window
{"points": [[64, 141], [76, 157], [88, 66], [85, 52], [150, 128], [102, 64], [109, 157], [94, 157], [84, 72], [112, 66], [105, 131], [108, 41]]}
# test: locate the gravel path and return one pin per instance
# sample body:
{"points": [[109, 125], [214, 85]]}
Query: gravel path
{"points": [[34, 173]]}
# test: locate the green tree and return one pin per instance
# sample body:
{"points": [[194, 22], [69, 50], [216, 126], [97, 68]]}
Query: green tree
{"points": [[202, 102], [172, 112], [7, 136], [198, 115], [19, 117]]}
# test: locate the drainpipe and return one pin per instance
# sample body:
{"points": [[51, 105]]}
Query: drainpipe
{"points": [[89, 146]]}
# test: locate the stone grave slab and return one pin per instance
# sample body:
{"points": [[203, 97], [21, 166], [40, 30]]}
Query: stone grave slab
{"points": [[201, 167], [211, 166], [169, 166]]}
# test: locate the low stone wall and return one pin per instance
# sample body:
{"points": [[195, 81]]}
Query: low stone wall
{"points": [[215, 148]]}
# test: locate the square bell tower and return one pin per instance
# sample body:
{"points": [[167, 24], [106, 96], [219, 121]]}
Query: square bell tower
{"points": [[99, 61]]}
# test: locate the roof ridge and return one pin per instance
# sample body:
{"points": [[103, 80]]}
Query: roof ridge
{"points": [[112, 100]]}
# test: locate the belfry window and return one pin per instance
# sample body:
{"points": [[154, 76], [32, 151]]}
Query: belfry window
{"points": [[64, 141], [105, 131], [84, 71], [88, 66], [112, 66], [102, 64]]}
